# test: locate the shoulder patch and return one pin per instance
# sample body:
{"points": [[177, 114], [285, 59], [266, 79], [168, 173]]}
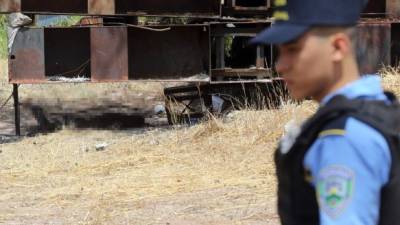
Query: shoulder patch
{"points": [[335, 188]]}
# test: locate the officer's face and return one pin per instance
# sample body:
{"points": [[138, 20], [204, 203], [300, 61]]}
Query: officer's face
{"points": [[307, 66]]}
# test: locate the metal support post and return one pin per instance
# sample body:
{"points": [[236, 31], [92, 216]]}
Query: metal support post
{"points": [[260, 57], [220, 50], [16, 110]]}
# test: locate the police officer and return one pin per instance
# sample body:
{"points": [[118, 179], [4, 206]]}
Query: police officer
{"points": [[342, 167]]}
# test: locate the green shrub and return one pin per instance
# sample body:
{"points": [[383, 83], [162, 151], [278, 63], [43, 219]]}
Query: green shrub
{"points": [[67, 21], [3, 36]]}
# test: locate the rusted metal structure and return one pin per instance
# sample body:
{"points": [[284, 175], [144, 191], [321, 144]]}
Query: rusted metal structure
{"points": [[204, 8], [116, 49]]}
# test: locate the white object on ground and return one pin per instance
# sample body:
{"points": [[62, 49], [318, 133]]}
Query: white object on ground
{"points": [[159, 109], [217, 103], [101, 147]]}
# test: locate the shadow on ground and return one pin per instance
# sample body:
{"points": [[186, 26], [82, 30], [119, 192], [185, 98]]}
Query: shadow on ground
{"points": [[43, 119]]}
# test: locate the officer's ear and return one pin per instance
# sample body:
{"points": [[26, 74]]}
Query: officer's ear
{"points": [[341, 46]]}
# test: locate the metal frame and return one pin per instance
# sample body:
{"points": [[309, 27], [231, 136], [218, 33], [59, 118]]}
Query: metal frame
{"points": [[17, 116], [191, 103], [194, 8], [104, 54], [232, 8], [33, 55], [219, 31]]}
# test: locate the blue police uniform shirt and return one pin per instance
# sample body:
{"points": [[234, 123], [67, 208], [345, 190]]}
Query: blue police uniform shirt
{"points": [[349, 167]]}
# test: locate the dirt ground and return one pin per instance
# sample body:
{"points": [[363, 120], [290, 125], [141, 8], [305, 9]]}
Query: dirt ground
{"points": [[217, 172]]}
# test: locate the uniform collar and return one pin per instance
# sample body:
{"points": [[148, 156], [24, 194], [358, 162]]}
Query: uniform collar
{"points": [[368, 86]]}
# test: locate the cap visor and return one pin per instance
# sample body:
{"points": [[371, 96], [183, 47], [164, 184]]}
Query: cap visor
{"points": [[279, 34]]}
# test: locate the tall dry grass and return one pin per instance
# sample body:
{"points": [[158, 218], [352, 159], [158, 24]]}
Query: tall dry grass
{"points": [[391, 80]]}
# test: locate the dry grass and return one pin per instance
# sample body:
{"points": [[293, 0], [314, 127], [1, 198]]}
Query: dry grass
{"points": [[391, 80], [4, 86], [217, 172], [63, 171]]}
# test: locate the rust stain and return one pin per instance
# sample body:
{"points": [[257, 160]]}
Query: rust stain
{"points": [[10, 6], [101, 7], [27, 66], [109, 53]]}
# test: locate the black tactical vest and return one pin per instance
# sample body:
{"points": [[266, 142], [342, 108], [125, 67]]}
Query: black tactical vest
{"points": [[297, 202]]}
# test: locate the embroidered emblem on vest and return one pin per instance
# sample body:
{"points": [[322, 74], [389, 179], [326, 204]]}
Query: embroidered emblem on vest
{"points": [[335, 189]]}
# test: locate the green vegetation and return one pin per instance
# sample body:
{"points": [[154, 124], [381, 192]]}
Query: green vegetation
{"points": [[3, 36], [228, 45], [68, 21]]}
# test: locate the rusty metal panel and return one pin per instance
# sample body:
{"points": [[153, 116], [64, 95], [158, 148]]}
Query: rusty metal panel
{"points": [[101, 7], [10, 5], [26, 61], [393, 8], [109, 57], [179, 52], [373, 46], [51, 6]]}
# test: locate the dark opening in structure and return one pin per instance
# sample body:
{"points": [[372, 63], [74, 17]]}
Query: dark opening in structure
{"points": [[375, 8], [67, 57], [395, 45], [251, 3], [59, 6], [182, 51], [167, 7], [239, 54]]}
